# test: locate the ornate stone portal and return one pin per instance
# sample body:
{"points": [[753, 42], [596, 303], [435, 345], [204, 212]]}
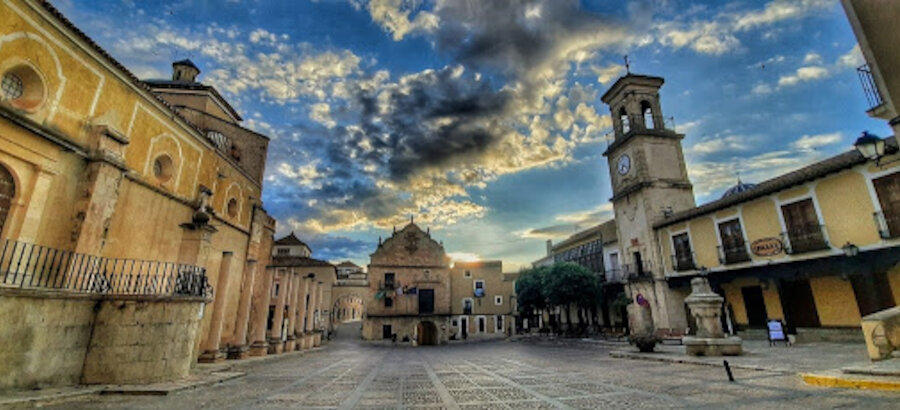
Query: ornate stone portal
{"points": [[706, 308]]}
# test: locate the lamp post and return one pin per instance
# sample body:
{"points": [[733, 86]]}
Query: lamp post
{"points": [[870, 146]]}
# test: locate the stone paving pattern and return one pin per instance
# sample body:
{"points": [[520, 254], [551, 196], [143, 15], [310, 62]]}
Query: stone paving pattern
{"points": [[493, 375]]}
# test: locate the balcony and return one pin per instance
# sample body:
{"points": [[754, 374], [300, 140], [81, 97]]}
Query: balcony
{"points": [[637, 271], [615, 275], [804, 239], [733, 253], [888, 225], [683, 262], [29, 266], [870, 88]]}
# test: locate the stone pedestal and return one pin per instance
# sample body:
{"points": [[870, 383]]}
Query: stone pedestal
{"points": [[291, 344], [706, 308], [276, 346], [238, 352]]}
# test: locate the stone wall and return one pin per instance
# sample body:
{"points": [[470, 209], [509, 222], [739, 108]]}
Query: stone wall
{"points": [[57, 338], [142, 341], [44, 338]]}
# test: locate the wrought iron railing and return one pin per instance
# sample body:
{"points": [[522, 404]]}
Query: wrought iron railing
{"points": [[615, 275], [804, 239], [733, 253], [30, 266], [870, 88], [683, 262], [641, 270], [888, 225]]}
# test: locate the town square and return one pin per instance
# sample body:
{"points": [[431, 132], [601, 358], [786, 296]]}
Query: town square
{"points": [[449, 204]]}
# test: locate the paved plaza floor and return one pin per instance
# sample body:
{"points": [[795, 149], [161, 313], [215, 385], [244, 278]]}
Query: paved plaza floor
{"points": [[490, 375]]}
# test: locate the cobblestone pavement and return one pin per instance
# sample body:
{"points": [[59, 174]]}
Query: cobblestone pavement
{"points": [[491, 375]]}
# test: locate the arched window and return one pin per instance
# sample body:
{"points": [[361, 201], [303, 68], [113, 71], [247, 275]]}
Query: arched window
{"points": [[7, 193], [623, 117], [647, 112]]}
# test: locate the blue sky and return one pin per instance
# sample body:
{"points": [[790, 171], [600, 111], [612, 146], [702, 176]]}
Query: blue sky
{"points": [[482, 118]]}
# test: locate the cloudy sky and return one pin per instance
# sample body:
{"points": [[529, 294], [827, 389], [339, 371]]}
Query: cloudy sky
{"points": [[482, 118]]}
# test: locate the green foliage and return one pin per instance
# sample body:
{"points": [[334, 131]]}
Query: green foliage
{"points": [[621, 301], [562, 284]]}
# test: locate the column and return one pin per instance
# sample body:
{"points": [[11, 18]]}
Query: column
{"points": [[300, 330], [275, 343], [210, 347], [292, 314], [261, 299], [238, 348], [310, 311], [317, 320]]}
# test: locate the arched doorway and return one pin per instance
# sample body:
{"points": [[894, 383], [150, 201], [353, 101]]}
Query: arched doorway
{"points": [[7, 193], [428, 334], [348, 308]]}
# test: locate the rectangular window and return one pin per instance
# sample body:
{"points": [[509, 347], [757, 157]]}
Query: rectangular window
{"points": [[467, 306], [275, 290], [284, 251], [389, 280], [499, 321], [498, 300], [479, 288], [426, 301], [386, 332], [684, 256], [888, 190], [388, 302], [733, 249], [804, 234], [481, 324], [468, 274]]}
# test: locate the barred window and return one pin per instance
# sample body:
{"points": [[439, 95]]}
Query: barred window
{"points": [[12, 86]]}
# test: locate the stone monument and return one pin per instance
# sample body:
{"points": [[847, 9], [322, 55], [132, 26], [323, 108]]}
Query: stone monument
{"points": [[706, 308]]}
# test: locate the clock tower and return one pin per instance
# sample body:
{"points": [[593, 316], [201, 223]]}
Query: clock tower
{"points": [[649, 182]]}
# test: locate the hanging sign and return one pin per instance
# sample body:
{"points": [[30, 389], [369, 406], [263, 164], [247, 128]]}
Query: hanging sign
{"points": [[767, 247]]}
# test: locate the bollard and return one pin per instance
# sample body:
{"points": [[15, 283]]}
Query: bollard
{"points": [[728, 370]]}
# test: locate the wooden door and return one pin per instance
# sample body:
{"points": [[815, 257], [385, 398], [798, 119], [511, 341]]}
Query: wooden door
{"points": [[888, 190], [799, 305], [755, 305], [7, 193]]}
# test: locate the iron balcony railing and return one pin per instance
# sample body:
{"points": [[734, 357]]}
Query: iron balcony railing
{"points": [[888, 225], [615, 275], [29, 266], [733, 253], [633, 271], [870, 88], [683, 262], [804, 239]]}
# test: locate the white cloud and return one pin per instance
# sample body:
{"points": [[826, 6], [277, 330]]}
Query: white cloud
{"points": [[804, 74], [394, 16], [321, 113], [852, 58], [812, 58], [812, 142], [716, 145]]}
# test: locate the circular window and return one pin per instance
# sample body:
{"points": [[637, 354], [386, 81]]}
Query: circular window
{"points": [[22, 87], [232, 208], [162, 168]]}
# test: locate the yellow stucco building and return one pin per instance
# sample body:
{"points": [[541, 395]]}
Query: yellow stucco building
{"points": [[483, 301], [101, 166], [816, 248]]}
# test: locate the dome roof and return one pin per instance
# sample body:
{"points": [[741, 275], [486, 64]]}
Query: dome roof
{"points": [[740, 187]]}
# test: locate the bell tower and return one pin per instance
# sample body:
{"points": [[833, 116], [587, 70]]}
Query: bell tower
{"points": [[649, 182]]}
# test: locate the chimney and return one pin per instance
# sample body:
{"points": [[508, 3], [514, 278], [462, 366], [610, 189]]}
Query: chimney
{"points": [[185, 71]]}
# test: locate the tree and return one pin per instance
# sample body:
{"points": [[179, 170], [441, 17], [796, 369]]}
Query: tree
{"points": [[571, 285]]}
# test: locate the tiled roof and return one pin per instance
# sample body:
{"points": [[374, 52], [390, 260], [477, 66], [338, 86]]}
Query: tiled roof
{"points": [[347, 264], [810, 172], [290, 240], [294, 261], [193, 85]]}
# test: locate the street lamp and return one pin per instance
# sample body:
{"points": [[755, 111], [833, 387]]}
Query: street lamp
{"points": [[870, 146]]}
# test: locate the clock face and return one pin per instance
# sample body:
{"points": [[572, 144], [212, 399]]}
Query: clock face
{"points": [[623, 164]]}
